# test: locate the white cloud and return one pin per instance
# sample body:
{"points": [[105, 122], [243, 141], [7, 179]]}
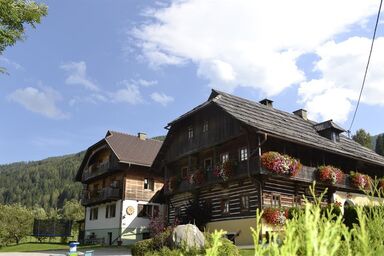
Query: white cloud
{"points": [[78, 75], [245, 43], [161, 98], [342, 67], [144, 83], [93, 98], [13, 64], [39, 101], [130, 94]]}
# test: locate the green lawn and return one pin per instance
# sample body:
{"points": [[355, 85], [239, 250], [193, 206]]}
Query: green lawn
{"points": [[247, 252], [31, 247]]}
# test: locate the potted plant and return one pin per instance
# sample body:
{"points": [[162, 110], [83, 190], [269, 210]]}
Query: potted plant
{"points": [[275, 216], [225, 170], [280, 164], [329, 174], [197, 177], [172, 183], [361, 181]]}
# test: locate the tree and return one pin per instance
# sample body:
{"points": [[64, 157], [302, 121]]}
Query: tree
{"points": [[363, 138], [379, 148], [73, 210], [16, 223], [14, 15]]}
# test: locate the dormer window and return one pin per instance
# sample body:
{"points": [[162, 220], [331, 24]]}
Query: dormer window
{"points": [[330, 130]]}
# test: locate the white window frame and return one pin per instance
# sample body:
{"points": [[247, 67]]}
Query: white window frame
{"points": [[243, 154]]}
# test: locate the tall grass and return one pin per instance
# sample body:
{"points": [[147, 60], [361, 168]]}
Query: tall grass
{"points": [[315, 232]]}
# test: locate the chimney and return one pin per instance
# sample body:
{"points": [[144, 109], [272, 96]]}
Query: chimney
{"points": [[301, 113], [267, 102], [142, 135]]}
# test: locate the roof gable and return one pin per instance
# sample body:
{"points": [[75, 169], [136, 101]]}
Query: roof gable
{"points": [[127, 148]]}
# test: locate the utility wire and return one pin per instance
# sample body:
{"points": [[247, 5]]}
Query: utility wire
{"points": [[366, 68]]}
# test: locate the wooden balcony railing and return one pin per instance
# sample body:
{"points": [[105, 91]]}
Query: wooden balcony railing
{"points": [[98, 169], [209, 178], [102, 195], [307, 174]]}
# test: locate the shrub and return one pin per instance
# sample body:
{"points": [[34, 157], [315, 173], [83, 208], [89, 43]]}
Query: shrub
{"points": [[218, 245], [162, 239], [143, 247]]}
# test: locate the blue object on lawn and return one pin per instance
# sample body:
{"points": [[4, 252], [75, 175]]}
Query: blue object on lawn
{"points": [[73, 246]]}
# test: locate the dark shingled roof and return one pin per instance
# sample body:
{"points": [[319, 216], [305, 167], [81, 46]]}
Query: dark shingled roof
{"points": [[327, 125], [131, 149], [127, 148], [286, 126]]}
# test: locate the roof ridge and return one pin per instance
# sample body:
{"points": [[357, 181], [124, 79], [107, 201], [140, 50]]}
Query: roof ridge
{"points": [[131, 135]]}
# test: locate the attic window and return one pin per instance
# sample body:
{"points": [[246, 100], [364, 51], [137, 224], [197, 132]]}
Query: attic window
{"points": [[329, 130]]}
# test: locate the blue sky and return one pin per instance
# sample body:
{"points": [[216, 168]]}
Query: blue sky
{"points": [[134, 66]]}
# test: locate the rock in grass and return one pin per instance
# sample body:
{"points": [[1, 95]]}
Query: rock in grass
{"points": [[189, 236]]}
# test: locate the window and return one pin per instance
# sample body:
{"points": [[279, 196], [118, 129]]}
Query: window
{"points": [[205, 126], [149, 184], [148, 210], [208, 164], [243, 154], [110, 211], [190, 132], [276, 201], [297, 200], [93, 213], [224, 157], [225, 206], [244, 203], [184, 172]]}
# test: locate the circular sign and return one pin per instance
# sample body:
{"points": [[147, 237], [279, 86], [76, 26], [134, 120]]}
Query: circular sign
{"points": [[130, 210]]}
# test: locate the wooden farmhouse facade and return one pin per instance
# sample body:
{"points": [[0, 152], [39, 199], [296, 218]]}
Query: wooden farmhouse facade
{"points": [[217, 155], [120, 191]]}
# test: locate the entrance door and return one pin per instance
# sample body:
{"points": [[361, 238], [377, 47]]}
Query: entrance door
{"points": [[110, 238]]}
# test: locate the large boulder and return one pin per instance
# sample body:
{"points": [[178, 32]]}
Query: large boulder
{"points": [[188, 235]]}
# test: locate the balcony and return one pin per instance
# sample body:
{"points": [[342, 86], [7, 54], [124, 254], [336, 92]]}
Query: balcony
{"points": [[98, 169], [100, 196], [207, 177], [306, 175]]}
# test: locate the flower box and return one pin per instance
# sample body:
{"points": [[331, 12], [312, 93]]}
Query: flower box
{"points": [[329, 174], [280, 164], [361, 181], [275, 216], [225, 170]]}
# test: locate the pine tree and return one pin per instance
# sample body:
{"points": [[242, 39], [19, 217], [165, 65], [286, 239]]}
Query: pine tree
{"points": [[380, 145], [363, 138]]}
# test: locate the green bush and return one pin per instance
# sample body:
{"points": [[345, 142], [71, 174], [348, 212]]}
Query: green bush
{"points": [[162, 239], [226, 246], [143, 247]]}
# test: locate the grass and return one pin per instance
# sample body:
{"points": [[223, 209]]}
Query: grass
{"points": [[247, 252], [32, 247]]}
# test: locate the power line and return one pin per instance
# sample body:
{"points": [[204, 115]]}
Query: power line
{"points": [[366, 68]]}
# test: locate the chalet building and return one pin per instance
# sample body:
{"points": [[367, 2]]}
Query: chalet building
{"points": [[214, 154], [120, 192]]}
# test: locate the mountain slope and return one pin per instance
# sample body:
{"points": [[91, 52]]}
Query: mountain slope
{"points": [[47, 183]]}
